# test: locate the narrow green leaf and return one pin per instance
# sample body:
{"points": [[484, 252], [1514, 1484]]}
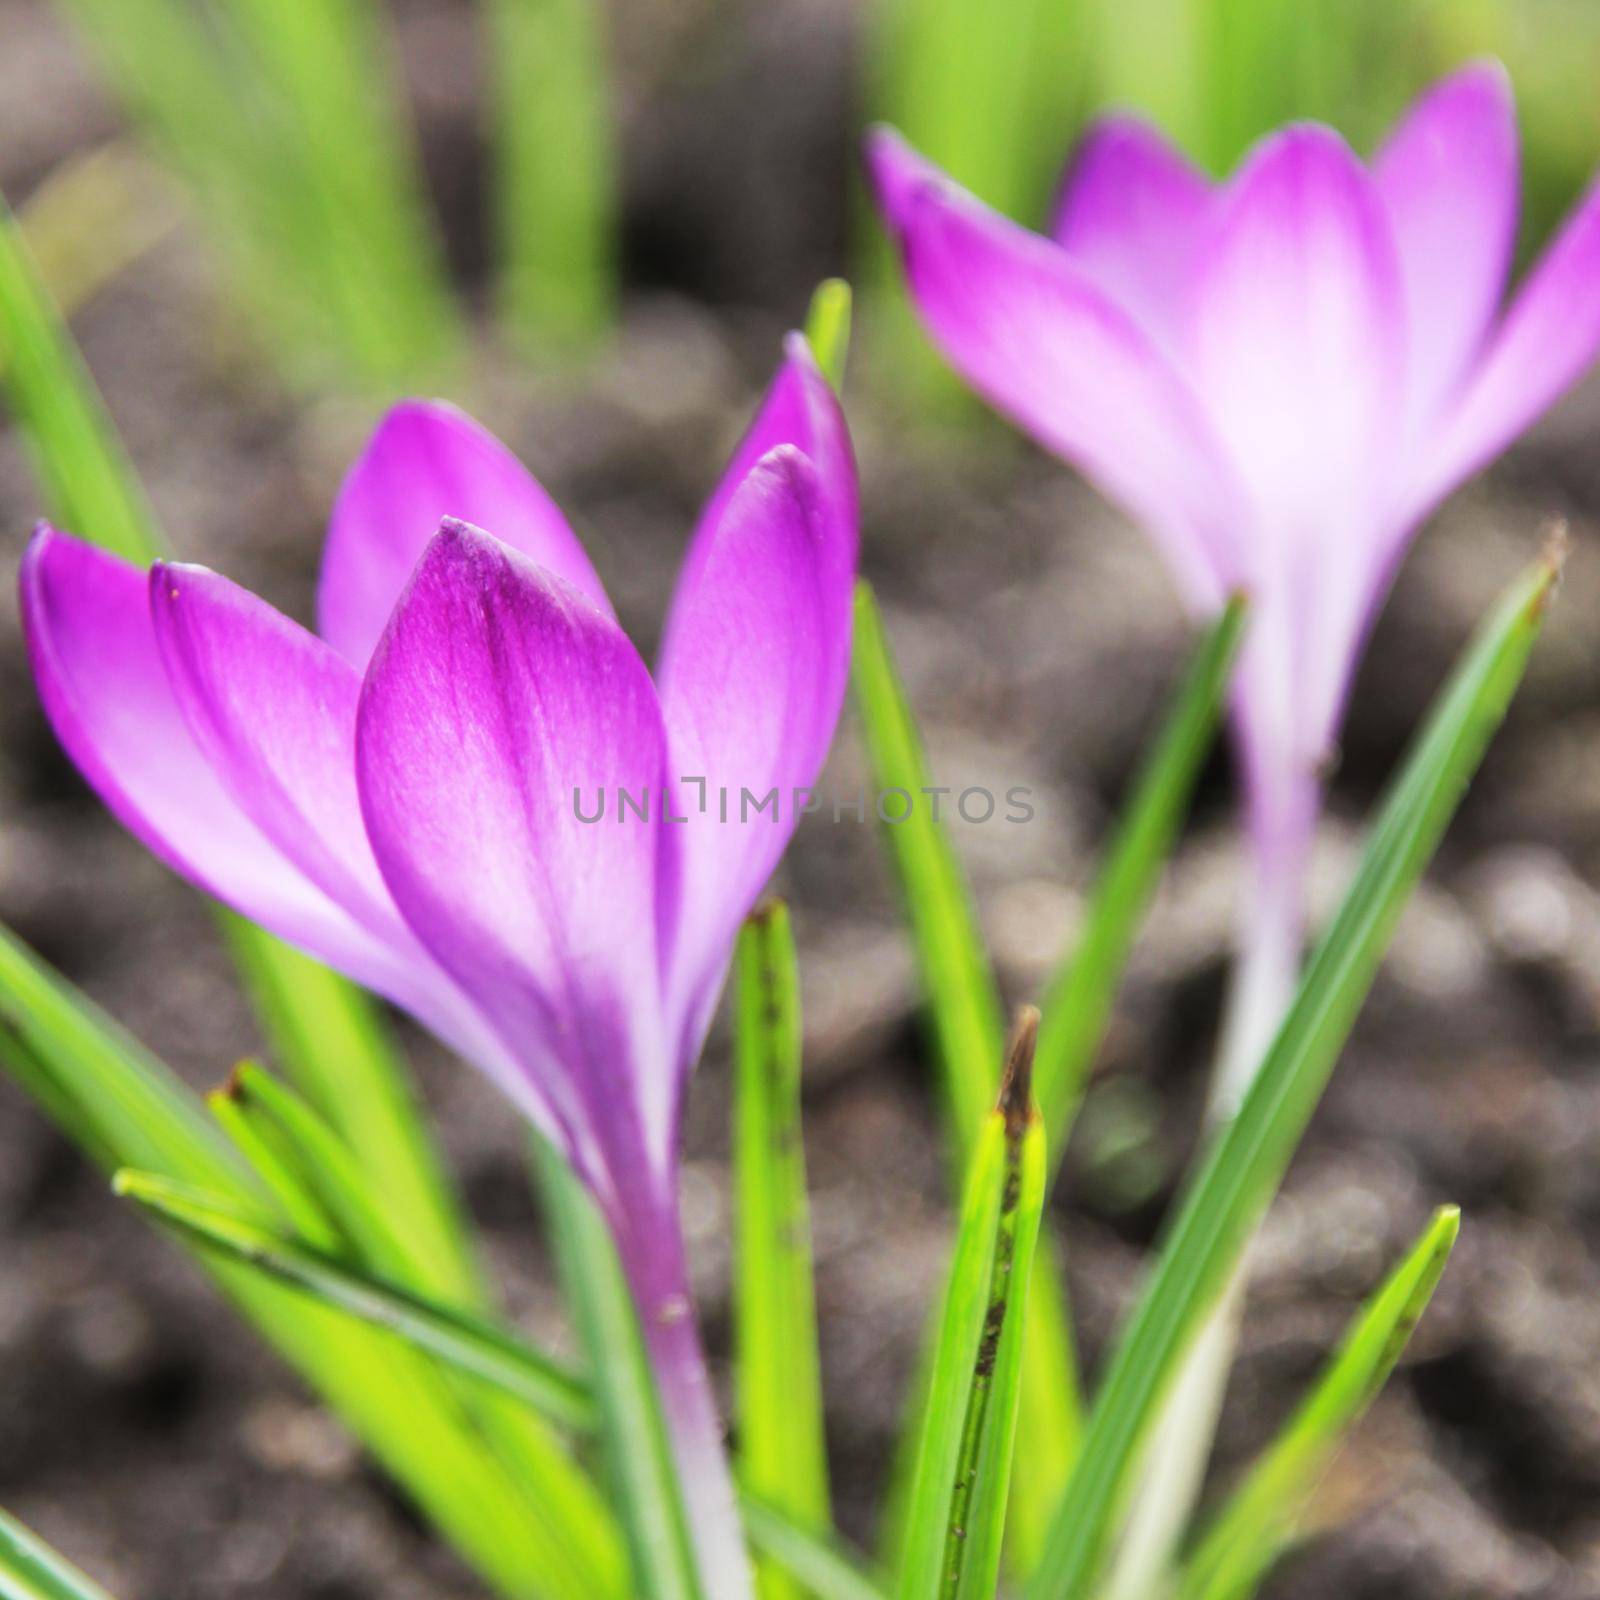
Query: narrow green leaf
{"points": [[31, 1570], [1078, 1000], [638, 1455], [819, 1565], [126, 1109], [275, 1164], [330, 69], [1244, 1165], [959, 990], [325, 1030], [956, 980], [89, 485], [333, 1041], [584, 1541], [778, 1382], [92, 217], [321, 1162], [828, 329], [470, 1343], [288, 124], [477, 1347], [1263, 1514], [958, 1507], [556, 158]]}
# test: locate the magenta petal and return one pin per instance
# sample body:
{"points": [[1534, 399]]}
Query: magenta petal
{"points": [[1548, 339], [273, 709], [1448, 180], [1044, 343], [1296, 346], [799, 409], [428, 461], [1131, 213], [752, 676], [106, 691], [499, 701]]}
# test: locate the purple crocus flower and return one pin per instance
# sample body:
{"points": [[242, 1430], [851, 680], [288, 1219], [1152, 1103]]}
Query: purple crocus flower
{"points": [[402, 794], [1280, 376]]}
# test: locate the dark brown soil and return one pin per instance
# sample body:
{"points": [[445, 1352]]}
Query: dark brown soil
{"points": [[148, 1433]]}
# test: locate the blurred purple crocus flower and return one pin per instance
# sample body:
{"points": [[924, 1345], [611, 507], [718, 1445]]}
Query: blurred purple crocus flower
{"points": [[1280, 376], [401, 794]]}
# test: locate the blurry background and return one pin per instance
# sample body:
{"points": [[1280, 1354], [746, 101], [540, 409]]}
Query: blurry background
{"points": [[268, 219]]}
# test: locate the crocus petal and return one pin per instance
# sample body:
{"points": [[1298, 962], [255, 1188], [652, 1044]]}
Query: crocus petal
{"points": [[1046, 345], [799, 409], [273, 709], [752, 676], [428, 461], [1296, 349], [1448, 180], [1131, 213], [108, 695], [1548, 339], [500, 699]]}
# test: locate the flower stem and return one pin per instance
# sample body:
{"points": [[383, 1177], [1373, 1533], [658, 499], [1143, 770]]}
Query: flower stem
{"points": [[657, 1273], [1265, 974]]}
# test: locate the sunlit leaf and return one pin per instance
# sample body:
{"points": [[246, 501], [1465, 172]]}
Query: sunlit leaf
{"points": [[1242, 1169], [958, 1507]]}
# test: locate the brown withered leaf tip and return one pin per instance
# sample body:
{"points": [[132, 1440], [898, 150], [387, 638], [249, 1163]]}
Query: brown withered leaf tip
{"points": [[1557, 544], [232, 1087], [1016, 1087]]}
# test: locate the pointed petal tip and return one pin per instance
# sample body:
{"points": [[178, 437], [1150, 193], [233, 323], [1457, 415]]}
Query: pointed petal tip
{"points": [[898, 174], [797, 352]]}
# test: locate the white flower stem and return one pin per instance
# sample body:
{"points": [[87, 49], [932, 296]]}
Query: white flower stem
{"points": [[658, 1277], [1266, 971]]}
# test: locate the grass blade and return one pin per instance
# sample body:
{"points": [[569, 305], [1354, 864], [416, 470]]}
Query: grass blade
{"points": [[329, 69], [87, 480], [287, 123], [333, 1041], [638, 1455], [326, 1032], [93, 217], [1244, 1165], [477, 1347], [959, 990], [828, 329], [556, 158], [956, 980], [778, 1383], [126, 1109], [1078, 1000], [31, 1570], [1262, 1515], [820, 1566], [584, 1545], [469, 1343], [958, 1507]]}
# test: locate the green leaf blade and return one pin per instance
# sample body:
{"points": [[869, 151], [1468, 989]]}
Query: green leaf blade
{"points": [[555, 149], [332, 1041], [638, 1454], [31, 1570], [469, 1343], [1078, 1000], [828, 329], [778, 1388], [956, 979], [964, 1007], [1261, 1516], [1244, 1165], [958, 1506]]}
